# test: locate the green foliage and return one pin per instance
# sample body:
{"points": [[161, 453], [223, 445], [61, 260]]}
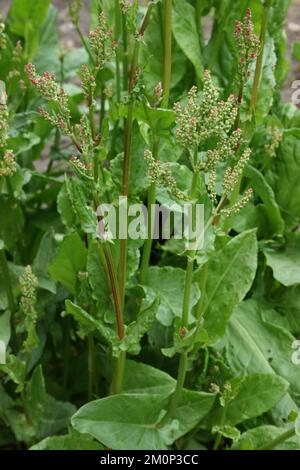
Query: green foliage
{"points": [[156, 106]]}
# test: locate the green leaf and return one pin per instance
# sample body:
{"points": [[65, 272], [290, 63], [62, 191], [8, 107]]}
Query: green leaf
{"points": [[145, 318], [69, 261], [254, 345], [26, 18], [285, 262], [5, 329], [262, 435], [230, 276], [89, 323], [167, 282], [267, 389], [271, 212], [123, 422], [36, 396], [47, 55], [286, 186], [128, 421], [71, 441], [186, 33]]}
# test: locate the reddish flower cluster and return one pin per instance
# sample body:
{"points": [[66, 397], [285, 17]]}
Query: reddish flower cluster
{"points": [[102, 43], [247, 44]]}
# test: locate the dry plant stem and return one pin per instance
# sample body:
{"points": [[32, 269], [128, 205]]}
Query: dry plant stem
{"points": [[127, 146], [259, 63], [278, 440], [7, 281]]}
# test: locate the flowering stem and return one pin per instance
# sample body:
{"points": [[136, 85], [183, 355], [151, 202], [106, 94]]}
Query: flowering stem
{"points": [[84, 43], [91, 366], [117, 384], [117, 56], [7, 281], [219, 436], [127, 146], [167, 52], [125, 51], [278, 440], [183, 359], [259, 63], [148, 243]]}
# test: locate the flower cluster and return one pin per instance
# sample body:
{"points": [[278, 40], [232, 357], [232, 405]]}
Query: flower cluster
{"points": [[74, 10], [3, 41], [274, 139], [232, 175], [247, 44], [102, 43], [17, 52], [28, 285], [203, 119], [238, 206], [83, 136], [46, 85], [162, 175], [8, 164], [88, 82], [3, 120]]}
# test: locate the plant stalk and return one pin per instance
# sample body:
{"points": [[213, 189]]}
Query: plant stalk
{"points": [[7, 281], [278, 440], [127, 147], [167, 53], [259, 62]]}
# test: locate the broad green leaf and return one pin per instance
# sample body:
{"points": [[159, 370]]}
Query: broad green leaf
{"points": [[262, 435], [167, 282], [36, 396], [5, 329], [143, 378], [151, 56], [26, 17], [124, 422], [254, 345], [56, 417], [47, 55], [72, 441], [69, 260], [296, 51], [145, 318], [128, 421], [88, 323], [285, 262], [230, 276], [257, 394], [186, 34], [286, 187], [271, 212]]}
